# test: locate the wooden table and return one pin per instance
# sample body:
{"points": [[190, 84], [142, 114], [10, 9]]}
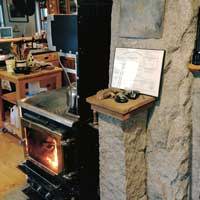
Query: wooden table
{"points": [[51, 79]]}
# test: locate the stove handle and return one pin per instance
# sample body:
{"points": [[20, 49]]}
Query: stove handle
{"points": [[35, 119], [29, 124], [70, 176], [68, 142]]}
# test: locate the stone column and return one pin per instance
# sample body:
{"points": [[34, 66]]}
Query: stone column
{"points": [[196, 140], [123, 171]]}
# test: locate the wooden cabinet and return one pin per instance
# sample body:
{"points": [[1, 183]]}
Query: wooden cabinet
{"points": [[53, 7], [58, 6], [51, 57]]}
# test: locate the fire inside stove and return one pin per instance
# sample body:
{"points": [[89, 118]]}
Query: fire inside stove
{"points": [[42, 147]]}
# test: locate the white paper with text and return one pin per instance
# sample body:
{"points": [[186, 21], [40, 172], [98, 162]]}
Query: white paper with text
{"points": [[138, 69]]}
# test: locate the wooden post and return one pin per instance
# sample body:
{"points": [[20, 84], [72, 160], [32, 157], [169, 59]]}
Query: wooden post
{"points": [[67, 6]]}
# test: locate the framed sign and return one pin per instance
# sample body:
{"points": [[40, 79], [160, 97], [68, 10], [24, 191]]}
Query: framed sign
{"points": [[138, 69], [14, 13]]}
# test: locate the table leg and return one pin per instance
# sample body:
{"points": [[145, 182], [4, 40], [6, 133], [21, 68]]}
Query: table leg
{"points": [[58, 80], [20, 90], [2, 113]]}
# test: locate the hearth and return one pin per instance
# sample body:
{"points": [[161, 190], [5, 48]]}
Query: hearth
{"points": [[61, 152]]}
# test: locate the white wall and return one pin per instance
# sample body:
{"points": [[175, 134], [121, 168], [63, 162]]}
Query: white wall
{"points": [[25, 28]]}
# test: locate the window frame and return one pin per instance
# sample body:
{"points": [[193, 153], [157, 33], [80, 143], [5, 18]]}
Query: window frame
{"points": [[2, 14]]}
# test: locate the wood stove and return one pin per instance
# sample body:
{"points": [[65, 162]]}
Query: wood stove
{"points": [[45, 144], [61, 152]]}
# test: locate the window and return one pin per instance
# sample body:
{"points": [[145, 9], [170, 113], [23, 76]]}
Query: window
{"points": [[1, 14], [44, 13]]}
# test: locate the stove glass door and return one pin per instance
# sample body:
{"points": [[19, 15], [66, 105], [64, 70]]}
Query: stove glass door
{"points": [[43, 147]]}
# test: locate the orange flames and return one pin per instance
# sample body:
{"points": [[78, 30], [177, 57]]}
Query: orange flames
{"points": [[44, 150], [53, 159]]}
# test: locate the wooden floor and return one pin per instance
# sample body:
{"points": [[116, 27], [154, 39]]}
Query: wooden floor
{"points": [[11, 154]]}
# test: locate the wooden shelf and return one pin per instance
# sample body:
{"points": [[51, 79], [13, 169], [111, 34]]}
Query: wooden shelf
{"points": [[18, 39], [121, 111], [10, 97], [194, 68]]}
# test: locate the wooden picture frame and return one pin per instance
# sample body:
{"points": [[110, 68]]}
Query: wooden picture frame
{"points": [[14, 15]]}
